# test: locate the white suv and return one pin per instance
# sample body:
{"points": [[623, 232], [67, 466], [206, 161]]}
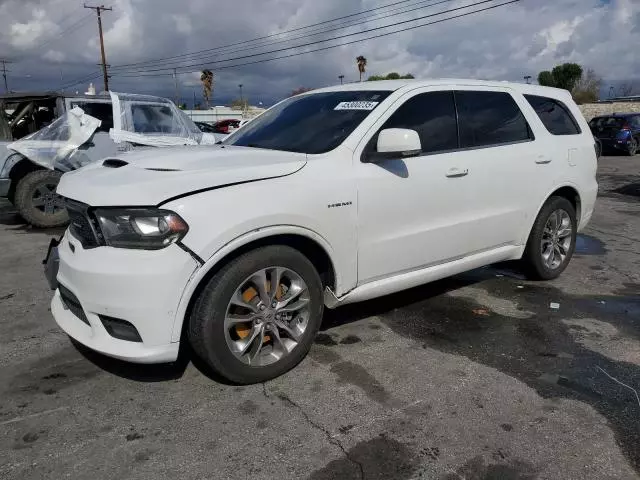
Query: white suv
{"points": [[331, 197]]}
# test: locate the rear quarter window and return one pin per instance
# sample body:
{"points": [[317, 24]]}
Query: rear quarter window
{"points": [[555, 115]]}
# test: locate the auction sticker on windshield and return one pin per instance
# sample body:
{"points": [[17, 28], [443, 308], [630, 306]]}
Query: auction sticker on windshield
{"points": [[356, 106]]}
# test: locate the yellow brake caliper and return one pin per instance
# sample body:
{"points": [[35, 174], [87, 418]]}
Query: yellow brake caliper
{"points": [[244, 329]]}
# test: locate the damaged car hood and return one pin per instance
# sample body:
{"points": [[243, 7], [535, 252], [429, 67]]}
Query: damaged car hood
{"points": [[153, 176]]}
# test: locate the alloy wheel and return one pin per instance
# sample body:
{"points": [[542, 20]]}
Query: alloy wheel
{"points": [[267, 316], [556, 239], [45, 199]]}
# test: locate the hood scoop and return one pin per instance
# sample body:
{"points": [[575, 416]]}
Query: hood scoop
{"points": [[164, 169], [114, 163]]}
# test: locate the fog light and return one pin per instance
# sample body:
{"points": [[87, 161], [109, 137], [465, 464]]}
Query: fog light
{"points": [[120, 329]]}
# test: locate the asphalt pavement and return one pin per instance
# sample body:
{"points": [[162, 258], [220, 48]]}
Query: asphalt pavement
{"points": [[481, 376]]}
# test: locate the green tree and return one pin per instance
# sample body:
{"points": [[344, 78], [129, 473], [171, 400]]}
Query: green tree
{"points": [[587, 89], [300, 90], [361, 62], [390, 76], [564, 76]]}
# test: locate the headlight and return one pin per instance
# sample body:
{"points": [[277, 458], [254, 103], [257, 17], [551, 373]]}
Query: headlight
{"points": [[145, 228]]}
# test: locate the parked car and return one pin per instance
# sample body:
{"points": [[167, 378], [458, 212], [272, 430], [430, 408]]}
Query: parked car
{"points": [[205, 127], [618, 132], [87, 128], [335, 196], [226, 126]]}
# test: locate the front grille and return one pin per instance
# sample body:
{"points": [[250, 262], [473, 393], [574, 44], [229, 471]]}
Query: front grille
{"points": [[71, 302], [80, 224]]}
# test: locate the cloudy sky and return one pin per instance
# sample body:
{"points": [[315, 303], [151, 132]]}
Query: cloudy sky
{"points": [[54, 43]]}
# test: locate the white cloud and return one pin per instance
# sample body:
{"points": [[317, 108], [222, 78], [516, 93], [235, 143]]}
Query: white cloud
{"points": [[506, 43], [54, 56]]}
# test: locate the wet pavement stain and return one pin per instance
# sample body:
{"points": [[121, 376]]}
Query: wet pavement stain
{"points": [[349, 372], [380, 458], [480, 469], [588, 245], [540, 351], [631, 190]]}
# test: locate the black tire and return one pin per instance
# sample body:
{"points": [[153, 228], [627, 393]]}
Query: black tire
{"points": [[532, 258], [26, 199], [632, 149], [206, 323]]}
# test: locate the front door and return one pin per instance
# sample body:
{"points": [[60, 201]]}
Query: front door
{"points": [[413, 212]]}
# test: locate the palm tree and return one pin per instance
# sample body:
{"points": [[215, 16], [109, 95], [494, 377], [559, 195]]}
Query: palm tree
{"points": [[206, 77], [362, 63]]}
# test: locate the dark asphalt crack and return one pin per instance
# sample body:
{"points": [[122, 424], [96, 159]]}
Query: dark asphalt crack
{"points": [[330, 438]]}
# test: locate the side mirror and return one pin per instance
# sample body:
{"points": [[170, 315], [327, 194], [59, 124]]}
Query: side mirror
{"points": [[396, 142]]}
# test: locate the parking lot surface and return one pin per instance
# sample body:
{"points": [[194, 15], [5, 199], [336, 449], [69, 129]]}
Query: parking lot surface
{"points": [[481, 376]]}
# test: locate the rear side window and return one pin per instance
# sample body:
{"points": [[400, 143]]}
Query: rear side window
{"points": [[555, 115], [101, 111], [490, 118], [433, 116]]}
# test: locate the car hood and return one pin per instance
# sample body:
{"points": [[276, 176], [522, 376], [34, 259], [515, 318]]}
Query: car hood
{"points": [[151, 177]]}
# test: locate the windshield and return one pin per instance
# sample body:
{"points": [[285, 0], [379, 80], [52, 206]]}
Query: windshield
{"points": [[312, 123]]}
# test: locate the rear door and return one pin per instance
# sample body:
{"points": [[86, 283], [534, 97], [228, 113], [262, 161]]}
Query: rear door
{"points": [[501, 153]]}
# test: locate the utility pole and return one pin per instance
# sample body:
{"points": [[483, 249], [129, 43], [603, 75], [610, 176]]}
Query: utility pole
{"points": [[4, 73], [240, 87], [527, 78], [175, 80], [341, 77], [98, 10]]}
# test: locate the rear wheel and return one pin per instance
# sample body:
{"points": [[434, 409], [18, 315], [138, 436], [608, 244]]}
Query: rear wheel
{"points": [[257, 317], [36, 199], [552, 240], [632, 148]]}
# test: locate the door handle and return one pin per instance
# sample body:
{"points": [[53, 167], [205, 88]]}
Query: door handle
{"points": [[543, 160], [456, 172]]}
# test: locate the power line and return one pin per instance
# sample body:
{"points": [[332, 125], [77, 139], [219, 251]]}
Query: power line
{"points": [[266, 36], [340, 26], [98, 11], [344, 43], [318, 41]]}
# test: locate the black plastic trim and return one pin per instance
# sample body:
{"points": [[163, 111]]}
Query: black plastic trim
{"points": [[193, 254], [208, 189], [128, 331]]}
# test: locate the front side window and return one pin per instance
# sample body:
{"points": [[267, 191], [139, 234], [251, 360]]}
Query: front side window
{"points": [[154, 119], [433, 116], [101, 110], [489, 118], [554, 114], [313, 123]]}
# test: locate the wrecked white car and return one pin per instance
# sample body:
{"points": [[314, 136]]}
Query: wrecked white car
{"points": [[90, 130]]}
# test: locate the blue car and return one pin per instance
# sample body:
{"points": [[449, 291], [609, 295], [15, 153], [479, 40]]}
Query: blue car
{"points": [[618, 132]]}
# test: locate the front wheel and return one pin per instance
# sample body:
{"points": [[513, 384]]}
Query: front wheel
{"points": [[552, 240], [37, 202], [257, 317]]}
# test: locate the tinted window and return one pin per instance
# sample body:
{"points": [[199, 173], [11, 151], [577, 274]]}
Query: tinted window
{"points": [[101, 111], [489, 118], [554, 115], [635, 121], [154, 119], [313, 123], [433, 116]]}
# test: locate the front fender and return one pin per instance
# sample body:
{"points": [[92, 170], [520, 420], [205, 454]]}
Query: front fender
{"points": [[232, 246]]}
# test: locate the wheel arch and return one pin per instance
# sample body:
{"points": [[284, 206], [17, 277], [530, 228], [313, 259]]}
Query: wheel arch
{"points": [[21, 168], [308, 242], [570, 192]]}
